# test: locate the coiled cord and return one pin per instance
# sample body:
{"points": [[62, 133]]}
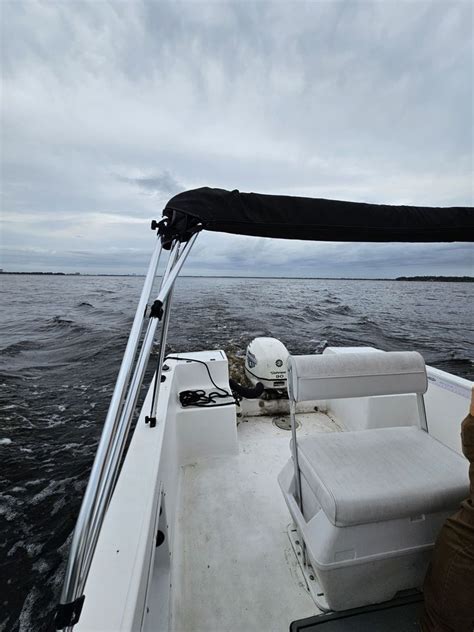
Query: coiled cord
{"points": [[200, 398]]}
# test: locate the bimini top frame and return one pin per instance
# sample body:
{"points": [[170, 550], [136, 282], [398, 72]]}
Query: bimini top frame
{"points": [[226, 211], [117, 424]]}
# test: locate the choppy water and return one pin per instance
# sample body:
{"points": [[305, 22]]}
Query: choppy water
{"points": [[61, 342]]}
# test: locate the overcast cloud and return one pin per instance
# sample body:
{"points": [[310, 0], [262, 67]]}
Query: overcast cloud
{"points": [[110, 108]]}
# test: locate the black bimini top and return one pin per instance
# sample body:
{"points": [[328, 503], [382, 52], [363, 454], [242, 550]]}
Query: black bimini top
{"points": [[286, 217]]}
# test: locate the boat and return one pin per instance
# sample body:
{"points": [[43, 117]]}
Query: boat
{"points": [[310, 496]]}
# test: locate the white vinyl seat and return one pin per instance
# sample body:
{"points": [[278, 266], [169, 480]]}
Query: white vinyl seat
{"points": [[381, 474], [367, 504]]}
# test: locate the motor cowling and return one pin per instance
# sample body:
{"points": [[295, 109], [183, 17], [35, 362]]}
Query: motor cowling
{"points": [[266, 362]]}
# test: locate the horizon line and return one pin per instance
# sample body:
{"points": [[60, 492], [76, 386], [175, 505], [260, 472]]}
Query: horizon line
{"points": [[233, 276]]}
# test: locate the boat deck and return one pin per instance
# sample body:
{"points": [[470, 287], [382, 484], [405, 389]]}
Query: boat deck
{"points": [[237, 570]]}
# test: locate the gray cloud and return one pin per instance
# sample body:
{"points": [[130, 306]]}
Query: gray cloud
{"points": [[155, 184], [111, 108]]}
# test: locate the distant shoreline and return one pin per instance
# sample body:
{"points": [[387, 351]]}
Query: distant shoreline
{"points": [[432, 279]]}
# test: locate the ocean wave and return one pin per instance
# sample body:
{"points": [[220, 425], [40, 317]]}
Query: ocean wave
{"points": [[313, 312], [19, 347], [342, 309], [60, 320]]}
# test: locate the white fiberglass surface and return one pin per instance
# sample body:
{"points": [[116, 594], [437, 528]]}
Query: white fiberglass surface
{"points": [[233, 567]]}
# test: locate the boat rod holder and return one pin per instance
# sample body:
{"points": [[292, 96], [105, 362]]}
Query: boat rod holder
{"points": [[107, 461]]}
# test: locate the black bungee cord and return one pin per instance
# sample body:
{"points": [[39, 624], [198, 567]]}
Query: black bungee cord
{"points": [[199, 397]]}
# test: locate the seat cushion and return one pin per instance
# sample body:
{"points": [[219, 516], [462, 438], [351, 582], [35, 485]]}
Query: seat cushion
{"points": [[382, 474]]}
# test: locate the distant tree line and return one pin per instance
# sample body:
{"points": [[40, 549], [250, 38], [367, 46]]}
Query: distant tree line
{"points": [[451, 279], [56, 273], [65, 273]]}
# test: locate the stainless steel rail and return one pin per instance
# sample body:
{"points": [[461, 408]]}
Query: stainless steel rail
{"points": [[294, 447], [107, 485], [161, 357], [420, 402], [296, 465], [106, 464]]}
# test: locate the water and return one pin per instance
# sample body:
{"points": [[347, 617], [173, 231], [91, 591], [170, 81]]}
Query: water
{"points": [[62, 340]]}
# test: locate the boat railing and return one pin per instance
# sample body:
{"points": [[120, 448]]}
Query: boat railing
{"points": [[106, 466]]}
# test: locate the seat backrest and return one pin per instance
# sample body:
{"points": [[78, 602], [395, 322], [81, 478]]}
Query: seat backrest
{"points": [[362, 374]]}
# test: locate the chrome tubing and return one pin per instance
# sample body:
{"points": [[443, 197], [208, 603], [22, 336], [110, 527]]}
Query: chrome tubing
{"points": [[103, 475], [420, 400], [173, 256], [71, 589], [165, 288], [107, 485], [165, 294], [297, 469], [161, 357], [111, 472], [295, 454], [139, 373]]}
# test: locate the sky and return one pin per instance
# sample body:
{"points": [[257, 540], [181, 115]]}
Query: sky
{"points": [[108, 109]]}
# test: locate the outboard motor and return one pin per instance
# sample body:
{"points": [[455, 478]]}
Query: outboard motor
{"points": [[265, 362]]}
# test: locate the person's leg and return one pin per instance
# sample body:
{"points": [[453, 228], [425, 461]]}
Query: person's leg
{"points": [[449, 584]]}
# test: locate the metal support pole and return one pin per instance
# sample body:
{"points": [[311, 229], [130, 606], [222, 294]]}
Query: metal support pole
{"points": [[164, 334], [71, 589], [297, 475], [142, 363], [420, 400], [107, 485], [107, 461], [173, 256], [299, 496], [161, 358], [168, 283]]}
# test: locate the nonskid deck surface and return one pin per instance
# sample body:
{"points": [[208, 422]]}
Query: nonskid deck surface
{"points": [[235, 569]]}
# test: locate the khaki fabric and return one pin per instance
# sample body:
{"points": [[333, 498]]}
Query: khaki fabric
{"points": [[449, 583]]}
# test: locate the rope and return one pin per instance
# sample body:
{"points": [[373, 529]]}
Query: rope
{"points": [[199, 397]]}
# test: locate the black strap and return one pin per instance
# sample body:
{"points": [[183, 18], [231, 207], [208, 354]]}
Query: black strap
{"points": [[67, 614]]}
